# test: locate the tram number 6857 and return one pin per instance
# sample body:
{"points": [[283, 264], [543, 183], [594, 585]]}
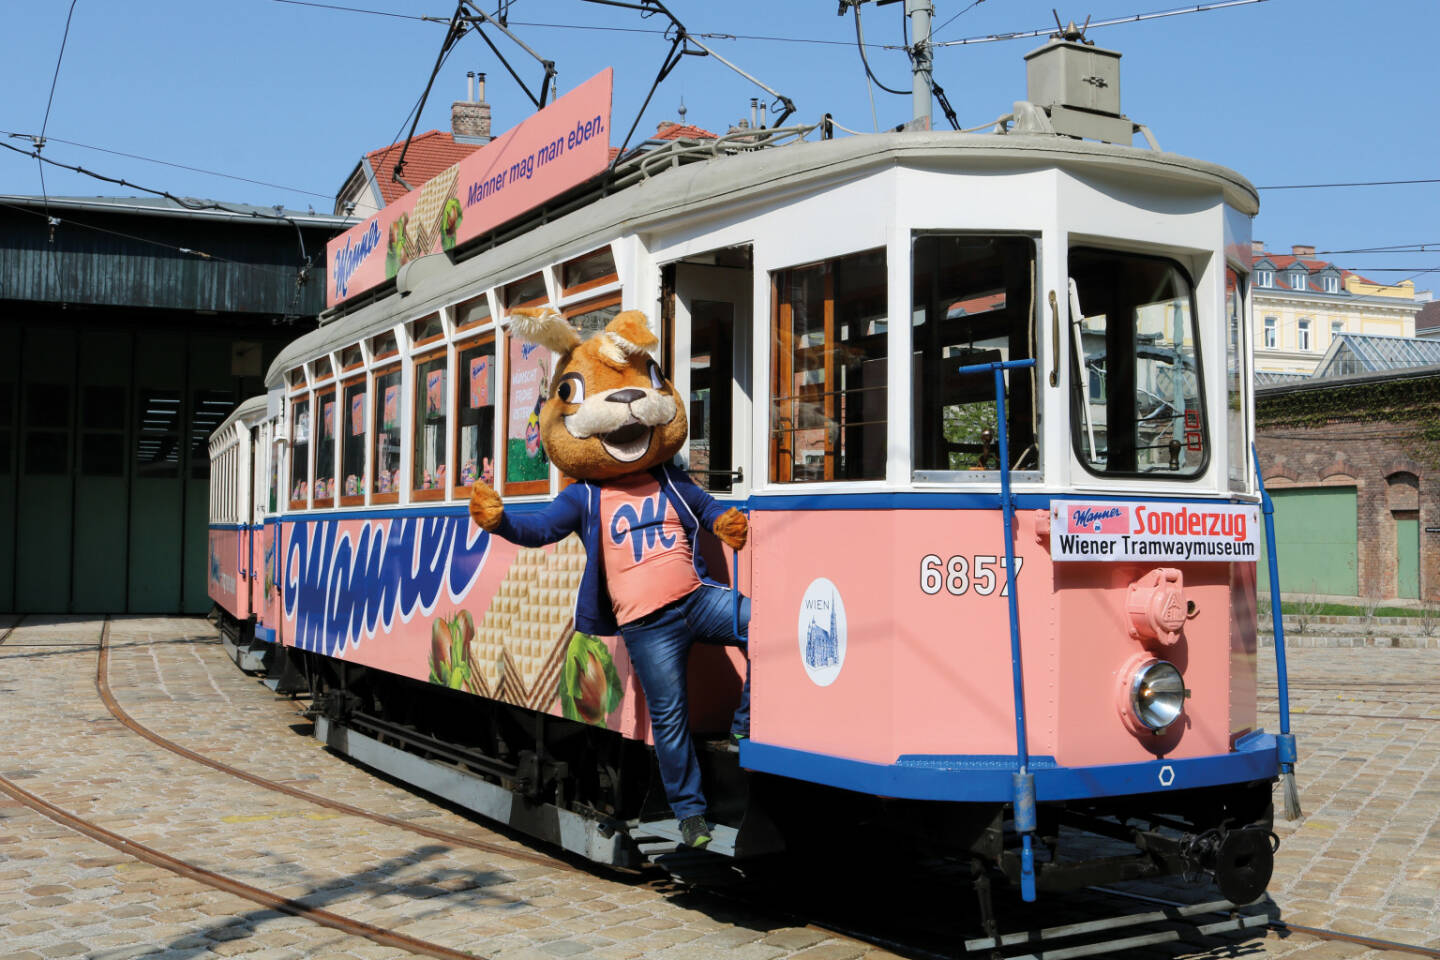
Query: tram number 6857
{"points": [[961, 574]]}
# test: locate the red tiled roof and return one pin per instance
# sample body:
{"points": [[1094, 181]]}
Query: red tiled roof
{"points": [[670, 130], [430, 153]]}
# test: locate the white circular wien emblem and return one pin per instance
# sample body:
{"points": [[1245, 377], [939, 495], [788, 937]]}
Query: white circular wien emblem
{"points": [[822, 632]]}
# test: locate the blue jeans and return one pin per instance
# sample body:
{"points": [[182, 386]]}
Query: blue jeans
{"points": [[659, 647]]}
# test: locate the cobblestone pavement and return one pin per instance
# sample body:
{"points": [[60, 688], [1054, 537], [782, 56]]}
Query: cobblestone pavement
{"points": [[64, 895], [1364, 860]]}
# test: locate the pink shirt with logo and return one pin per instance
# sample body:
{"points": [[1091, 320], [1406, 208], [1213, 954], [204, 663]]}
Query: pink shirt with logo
{"points": [[648, 562]]}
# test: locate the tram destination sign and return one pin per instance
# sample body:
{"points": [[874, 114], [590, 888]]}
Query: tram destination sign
{"points": [[559, 147], [1154, 532]]}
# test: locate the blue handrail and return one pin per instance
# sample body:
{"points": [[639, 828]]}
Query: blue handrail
{"points": [[1024, 780], [1285, 743]]}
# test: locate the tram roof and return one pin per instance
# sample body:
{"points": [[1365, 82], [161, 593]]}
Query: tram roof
{"points": [[683, 187], [250, 410]]}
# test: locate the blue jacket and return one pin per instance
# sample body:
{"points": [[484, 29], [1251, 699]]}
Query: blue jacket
{"points": [[577, 510]]}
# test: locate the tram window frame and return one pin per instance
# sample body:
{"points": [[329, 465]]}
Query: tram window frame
{"points": [[510, 292], [317, 429], [418, 393], [568, 289], [873, 435], [349, 361], [465, 313], [380, 349], [982, 267], [1120, 340], [297, 401], [348, 438], [592, 305], [523, 487], [418, 336], [1237, 379], [463, 393], [319, 374], [377, 429]]}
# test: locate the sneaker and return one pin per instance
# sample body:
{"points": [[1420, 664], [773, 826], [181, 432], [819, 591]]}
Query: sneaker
{"points": [[695, 831]]}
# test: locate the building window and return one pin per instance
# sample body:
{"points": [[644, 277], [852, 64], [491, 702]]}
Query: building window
{"points": [[1264, 278], [828, 349], [1271, 334], [972, 305], [1332, 284], [1299, 281], [1302, 335]]}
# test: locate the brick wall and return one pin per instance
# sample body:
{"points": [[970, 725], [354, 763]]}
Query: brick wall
{"points": [[1372, 437]]}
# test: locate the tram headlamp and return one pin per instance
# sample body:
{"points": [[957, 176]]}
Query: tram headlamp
{"points": [[1157, 695]]}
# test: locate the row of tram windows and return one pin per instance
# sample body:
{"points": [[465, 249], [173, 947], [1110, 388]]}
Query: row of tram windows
{"points": [[1136, 405], [346, 429], [225, 506]]}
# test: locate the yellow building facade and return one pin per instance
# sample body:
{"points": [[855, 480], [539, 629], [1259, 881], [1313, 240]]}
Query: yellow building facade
{"points": [[1301, 303]]}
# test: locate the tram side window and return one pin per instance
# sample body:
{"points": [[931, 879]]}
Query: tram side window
{"points": [[475, 403], [352, 443], [325, 449], [385, 415], [429, 461], [299, 453], [973, 303], [828, 350], [527, 468], [1136, 406]]}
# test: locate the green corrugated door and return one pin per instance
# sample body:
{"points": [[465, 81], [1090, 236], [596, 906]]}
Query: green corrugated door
{"points": [[1407, 556], [43, 518], [101, 475], [1315, 537]]}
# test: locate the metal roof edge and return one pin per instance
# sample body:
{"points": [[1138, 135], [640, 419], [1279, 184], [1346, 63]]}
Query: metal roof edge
{"points": [[119, 205]]}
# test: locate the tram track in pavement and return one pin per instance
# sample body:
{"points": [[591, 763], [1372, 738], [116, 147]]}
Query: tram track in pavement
{"points": [[750, 904]]}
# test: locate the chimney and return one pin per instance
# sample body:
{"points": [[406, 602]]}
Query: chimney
{"points": [[1257, 248], [470, 118], [1303, 249]]}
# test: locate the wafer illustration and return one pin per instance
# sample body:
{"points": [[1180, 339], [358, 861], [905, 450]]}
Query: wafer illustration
{"points": [[424, 229], [518, 650]]}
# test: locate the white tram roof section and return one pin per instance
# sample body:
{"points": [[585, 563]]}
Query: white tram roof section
{"points": [[696, 190], [249, 412]]}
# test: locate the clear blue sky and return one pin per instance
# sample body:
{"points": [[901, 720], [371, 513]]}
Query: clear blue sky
{"points": [[1284, 91]]}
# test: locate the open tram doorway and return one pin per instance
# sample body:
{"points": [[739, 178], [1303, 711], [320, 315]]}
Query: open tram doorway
{"points": [[706, 311]]}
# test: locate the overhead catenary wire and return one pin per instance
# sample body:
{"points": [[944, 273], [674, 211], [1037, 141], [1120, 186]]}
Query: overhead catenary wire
{"points": [[1115, 21], [1357, 183], [168, 163]]}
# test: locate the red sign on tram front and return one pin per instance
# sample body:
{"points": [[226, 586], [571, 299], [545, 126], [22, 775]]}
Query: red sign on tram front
{"points": [[563, 145]]}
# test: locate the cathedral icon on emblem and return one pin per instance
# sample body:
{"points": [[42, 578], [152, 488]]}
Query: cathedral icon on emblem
{"points": [[822, 646]]}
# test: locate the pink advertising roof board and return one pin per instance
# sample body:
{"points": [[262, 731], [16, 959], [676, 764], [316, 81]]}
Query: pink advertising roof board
{"points": [[563, 145]]}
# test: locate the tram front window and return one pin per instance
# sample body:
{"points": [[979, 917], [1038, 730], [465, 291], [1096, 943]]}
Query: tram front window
{"points": [[1136, 405], [973, 303]]}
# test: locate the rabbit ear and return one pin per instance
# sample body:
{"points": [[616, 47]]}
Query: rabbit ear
{"points": [[628, 334], [546, 327]]}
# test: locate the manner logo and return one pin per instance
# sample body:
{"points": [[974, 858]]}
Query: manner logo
{"points": [[1092, 519], [821, 631]]}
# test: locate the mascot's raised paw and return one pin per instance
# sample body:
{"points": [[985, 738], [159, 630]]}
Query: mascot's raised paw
{"points": [[732, 528], [485, 506]]}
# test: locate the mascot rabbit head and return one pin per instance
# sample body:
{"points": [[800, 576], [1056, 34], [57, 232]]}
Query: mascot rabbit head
{"points": [[609, 412]]}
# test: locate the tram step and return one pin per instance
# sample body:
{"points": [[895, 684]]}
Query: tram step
{"points": [[722, 837]]}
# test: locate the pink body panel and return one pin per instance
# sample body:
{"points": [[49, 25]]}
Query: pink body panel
{"points": [[928, 671], [226, 587], [509, 609]]}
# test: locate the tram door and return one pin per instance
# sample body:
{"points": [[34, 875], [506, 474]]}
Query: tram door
{"points": [[711, 368]]}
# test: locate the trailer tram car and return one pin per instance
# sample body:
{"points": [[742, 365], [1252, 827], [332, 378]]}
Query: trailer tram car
{"points": [[977, 618]]}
